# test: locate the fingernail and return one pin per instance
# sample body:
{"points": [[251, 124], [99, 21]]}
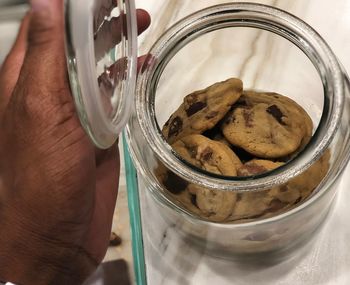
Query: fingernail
{"points": [[39, 5]]}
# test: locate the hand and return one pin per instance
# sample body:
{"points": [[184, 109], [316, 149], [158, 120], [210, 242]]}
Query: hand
{"points": [[57, 192]]}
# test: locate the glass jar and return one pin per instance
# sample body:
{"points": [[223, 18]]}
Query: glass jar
{"points": [[269, 50], [311, 76]]}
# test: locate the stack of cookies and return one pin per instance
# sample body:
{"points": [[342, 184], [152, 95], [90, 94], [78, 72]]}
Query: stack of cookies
{"points": [[227, 131]]}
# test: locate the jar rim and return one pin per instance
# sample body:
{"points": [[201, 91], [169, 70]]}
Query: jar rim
{"points": [[242, 15]]}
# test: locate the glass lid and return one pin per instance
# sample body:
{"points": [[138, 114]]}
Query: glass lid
{"points": [[101, 43]]}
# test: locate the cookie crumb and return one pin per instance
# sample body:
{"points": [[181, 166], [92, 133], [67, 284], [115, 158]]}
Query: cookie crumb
{"points": [[115, 240]]}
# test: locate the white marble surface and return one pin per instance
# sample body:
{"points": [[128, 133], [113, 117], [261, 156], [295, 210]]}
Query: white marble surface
{"points": [[169, 259]]}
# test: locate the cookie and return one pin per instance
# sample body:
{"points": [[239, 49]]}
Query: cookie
{"points": [[216, 135], [213, 157], [201, 110], [209, 155], [257, 166], [267, 125], [308, 181], [281, 198], [253, 205]]}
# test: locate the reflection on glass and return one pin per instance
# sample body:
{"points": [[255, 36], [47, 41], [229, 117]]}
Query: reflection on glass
{"points": [[109, 43]]}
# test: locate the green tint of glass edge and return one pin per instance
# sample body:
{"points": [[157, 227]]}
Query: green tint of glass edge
{"points": [[135, 217]]}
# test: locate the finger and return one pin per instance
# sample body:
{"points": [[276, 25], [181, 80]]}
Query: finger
{"points": [[44, 71], [143, 20], [12, 65], [108, 36]]}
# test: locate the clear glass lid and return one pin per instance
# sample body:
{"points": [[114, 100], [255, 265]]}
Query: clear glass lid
{"points": [[101, 43]]}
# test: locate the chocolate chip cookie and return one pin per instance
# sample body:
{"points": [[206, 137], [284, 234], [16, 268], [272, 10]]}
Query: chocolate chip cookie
{"points": [[257, 166], [201, 110], [211, 156], [267, 125], [273, 201], [228, 132], [308, 181], [253, 205]]}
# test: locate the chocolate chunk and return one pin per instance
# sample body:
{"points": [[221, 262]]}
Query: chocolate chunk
{"points": [[207, 154], [276, 113], [251, 169], [195, 107], [284, 188], [276, 205], [175, 184], [192, 151], [191, 99], [175, 127], [194, 200], [247, 118], [211, 115]]}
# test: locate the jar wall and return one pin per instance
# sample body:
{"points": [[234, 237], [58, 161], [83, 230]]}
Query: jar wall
{"points": [[279, 236], [274, 241]]}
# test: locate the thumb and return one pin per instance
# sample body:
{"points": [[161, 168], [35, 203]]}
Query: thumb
{"points": [[44, 68], [46, 26], [45, 58]]}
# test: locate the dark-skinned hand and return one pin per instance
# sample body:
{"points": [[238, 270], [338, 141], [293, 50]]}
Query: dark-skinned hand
{"points": [[57, 192]]}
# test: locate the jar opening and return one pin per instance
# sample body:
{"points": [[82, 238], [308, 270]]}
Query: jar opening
{"points": [[232, 16]]}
